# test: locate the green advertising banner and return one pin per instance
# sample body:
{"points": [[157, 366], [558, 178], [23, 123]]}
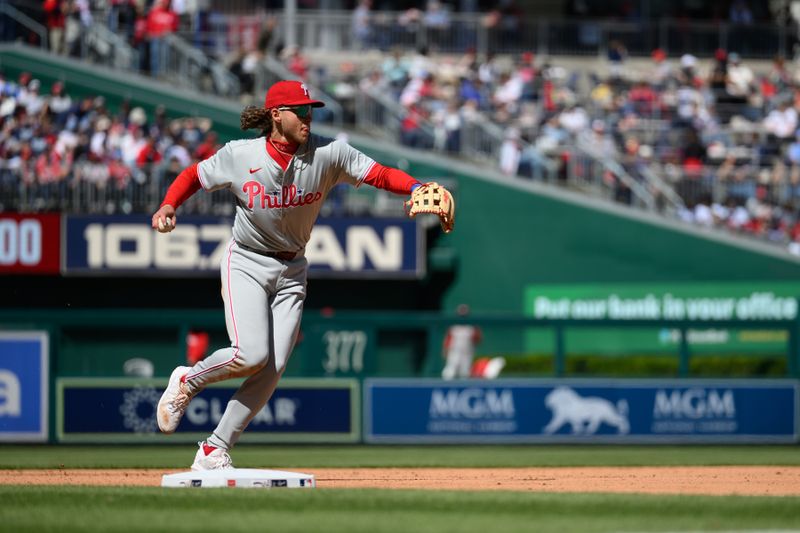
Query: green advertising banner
{"points": [[698, 302]]}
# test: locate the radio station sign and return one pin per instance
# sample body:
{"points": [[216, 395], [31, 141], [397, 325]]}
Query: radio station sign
{"points": [[124, 410], [635, 411], [30, 244], [339, 247]]}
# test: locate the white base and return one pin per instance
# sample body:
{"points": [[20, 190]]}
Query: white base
{"points": [[240, 478]]}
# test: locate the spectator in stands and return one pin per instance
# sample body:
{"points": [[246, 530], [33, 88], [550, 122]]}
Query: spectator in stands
{"points": [[508, 91], [740, 13], [395, 70], [59, 104], [687, 75], [362, 25], [181, 11], [471, 89], [488, 70], [244, 66], [552, 136], [690, 105], [178, 151], [505, 20], [740, 77], [55, 20], [598, 141], [161, 21], [418, 89], [436, 20], [51, 170], [268, 40], [121, 16], [781, 122], [420, 63], [601, 96], [199, 14], [703, 215], [694, 154], [296, 62], [97, 143], [447, 127], [529, 74], [510, 153], [207, 148], [411, 130], [779, 77], [33, 101], [78, 19], [617, 54], [644, 101], [793, 162], [139, 38], [574, 118], [661, 70]]}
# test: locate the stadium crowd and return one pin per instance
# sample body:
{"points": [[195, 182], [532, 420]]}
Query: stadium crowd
{"points": [[60, 152], [724, 137]]}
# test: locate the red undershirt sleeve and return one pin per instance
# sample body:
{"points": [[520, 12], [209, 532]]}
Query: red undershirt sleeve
{"points": [[390, 179], [186, 184]]}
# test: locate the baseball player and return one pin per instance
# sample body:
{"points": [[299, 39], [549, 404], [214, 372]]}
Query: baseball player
{"points": [[459, 347], [279, 181]]}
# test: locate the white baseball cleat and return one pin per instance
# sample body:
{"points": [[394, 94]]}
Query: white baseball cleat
{"points": [[173, 402], [210, 458]]}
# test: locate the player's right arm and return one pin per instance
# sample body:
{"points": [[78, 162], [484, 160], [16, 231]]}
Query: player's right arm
{"points": [[186, 184], [211, 174]]}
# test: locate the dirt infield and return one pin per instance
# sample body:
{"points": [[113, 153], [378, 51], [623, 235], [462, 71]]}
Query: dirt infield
{"points": [[712, 480]]}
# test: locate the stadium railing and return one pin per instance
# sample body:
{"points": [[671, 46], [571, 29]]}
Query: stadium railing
{"points": [[7, 10], [332, 30], [187, 66], [105, 47]]}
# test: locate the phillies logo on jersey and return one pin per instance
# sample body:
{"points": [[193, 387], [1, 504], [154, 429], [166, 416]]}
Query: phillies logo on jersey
{"points": [[286, 196]]}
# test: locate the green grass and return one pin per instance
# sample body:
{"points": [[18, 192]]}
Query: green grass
{"points": [[331, 456], [84, 509], [112, 509]]}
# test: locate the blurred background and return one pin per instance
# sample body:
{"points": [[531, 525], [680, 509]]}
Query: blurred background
{"points": [[627, 183]]}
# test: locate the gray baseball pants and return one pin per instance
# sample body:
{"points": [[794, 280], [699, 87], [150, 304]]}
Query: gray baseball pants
{"points": [[263, 299]]}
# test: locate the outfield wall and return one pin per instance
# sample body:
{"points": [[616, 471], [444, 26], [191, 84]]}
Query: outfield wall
{"points": [[392, 411]]}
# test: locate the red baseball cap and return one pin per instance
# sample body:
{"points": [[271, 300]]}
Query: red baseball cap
{"points": [[289, 93]]}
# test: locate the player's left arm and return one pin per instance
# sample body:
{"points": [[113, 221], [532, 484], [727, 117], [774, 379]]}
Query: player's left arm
{"points": [[430, 197], [357, 168], [391, 179]]}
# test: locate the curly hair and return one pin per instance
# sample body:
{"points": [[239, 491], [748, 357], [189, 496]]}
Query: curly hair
{"points": [[254, 117]]}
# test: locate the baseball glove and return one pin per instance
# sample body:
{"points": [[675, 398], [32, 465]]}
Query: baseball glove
{"points": [[433, 198]]}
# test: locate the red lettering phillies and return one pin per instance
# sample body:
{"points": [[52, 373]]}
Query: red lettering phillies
{"points": [[287, 196]]}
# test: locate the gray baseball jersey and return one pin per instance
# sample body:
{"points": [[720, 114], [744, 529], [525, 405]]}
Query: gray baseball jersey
{"points": [[276, 209], [263, 296]]}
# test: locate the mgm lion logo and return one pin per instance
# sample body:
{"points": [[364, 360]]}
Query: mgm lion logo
{"points": [[584, 414]]}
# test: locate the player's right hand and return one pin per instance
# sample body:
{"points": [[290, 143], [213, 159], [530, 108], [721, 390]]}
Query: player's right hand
{"points": [[164, 219]]}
